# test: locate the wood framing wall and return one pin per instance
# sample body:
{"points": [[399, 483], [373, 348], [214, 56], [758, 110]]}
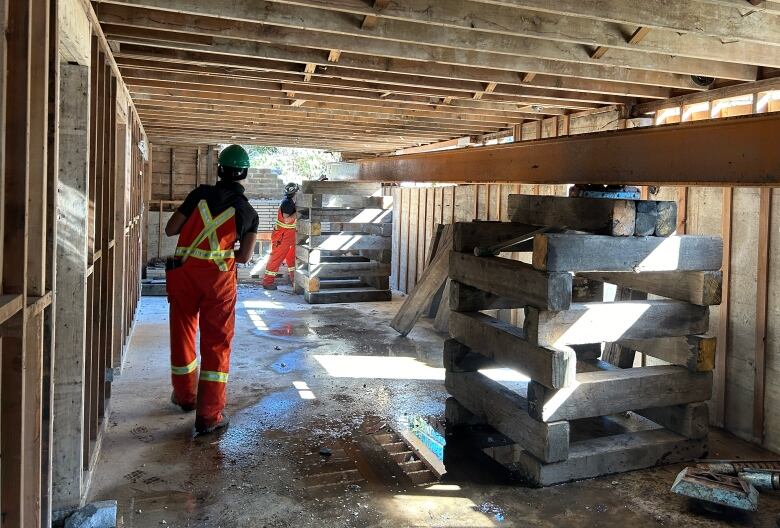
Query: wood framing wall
{"points": [[71, 180], [747, 323]]}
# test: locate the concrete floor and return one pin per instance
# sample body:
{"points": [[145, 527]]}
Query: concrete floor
{"points": [[308, 377]]}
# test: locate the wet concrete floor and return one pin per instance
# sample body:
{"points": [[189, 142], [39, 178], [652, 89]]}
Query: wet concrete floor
{"points": [[310, 378]]}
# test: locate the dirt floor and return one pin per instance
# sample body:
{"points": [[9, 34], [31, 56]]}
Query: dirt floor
{"points": [[304, 378]]}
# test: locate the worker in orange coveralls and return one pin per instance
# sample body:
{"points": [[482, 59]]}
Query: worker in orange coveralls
{"points": [[201, 281], [283, 239]]}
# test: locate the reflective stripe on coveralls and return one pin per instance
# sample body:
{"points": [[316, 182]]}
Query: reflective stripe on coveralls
{"points": [[210, 226], [282, 249], [210, 375], [183, 371]]}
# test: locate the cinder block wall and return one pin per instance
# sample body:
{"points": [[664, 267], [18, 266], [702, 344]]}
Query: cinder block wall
{"points": [[264, 184]]}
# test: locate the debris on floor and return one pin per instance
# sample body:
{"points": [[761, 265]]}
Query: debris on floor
{"points": [[100, 514]]}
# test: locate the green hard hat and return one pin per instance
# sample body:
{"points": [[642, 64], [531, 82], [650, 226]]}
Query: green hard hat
{"points": [[234, 156]]}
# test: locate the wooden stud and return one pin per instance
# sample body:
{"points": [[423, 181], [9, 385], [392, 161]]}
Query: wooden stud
{"points": [[762, 280], [721, 361]]}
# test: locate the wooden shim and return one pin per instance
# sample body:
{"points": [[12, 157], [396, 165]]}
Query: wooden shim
{"points": [[599, 322], [616, 391], [514, 280], [612, 454], [347, 295], [507, 346], [344, 201], [574, 252], [465, 298], [469, 235], [595, 215], [692, 420], [348, 242], [696, 352], [507, 412], [432, 278], [702, 288], [341, 187]]}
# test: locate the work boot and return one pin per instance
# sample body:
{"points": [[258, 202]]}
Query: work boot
{"points": [[185, 407], [269, 286], [202, 428]]}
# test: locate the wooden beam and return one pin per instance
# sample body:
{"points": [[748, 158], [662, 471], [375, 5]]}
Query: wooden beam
{"points": [[507, 345], [583, 253], [506, 411], [504, 19], [305, 27], [585, 323], [709, 95], [610, 392], [609, 217], [697, 287], [513, 280], [696, 352], [696, 153], [397, 72]]}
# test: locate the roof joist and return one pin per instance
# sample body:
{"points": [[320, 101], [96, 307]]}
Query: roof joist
{"points": [[305, 27]]}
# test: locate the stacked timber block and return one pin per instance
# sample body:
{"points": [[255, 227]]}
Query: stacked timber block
{"points": [[574, 413], [344, 241]]}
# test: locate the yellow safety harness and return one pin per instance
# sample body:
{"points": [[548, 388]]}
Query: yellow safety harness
{"points": [[210, 226]]}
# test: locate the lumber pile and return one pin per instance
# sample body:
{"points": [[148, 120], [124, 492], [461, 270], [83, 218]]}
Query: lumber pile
{"points": [[343, 242], [575, 415]]}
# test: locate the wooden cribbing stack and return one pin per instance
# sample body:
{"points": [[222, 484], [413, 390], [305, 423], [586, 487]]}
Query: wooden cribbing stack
{"points": [[570, 420], [344, 241]]}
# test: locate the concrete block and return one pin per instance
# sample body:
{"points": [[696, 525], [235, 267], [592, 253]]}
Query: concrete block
{"points": [[95, 515]]}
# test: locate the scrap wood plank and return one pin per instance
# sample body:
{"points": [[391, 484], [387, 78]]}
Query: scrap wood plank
{"points": [[586, 323], [507, 346], [696, 287], [514, 280], [615, 391], [507, 412], [432, 278], [435, 302], [591, 253]]}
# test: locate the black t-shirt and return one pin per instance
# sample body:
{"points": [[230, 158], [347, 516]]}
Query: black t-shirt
{"points": [[288, 207], [219, 197]]}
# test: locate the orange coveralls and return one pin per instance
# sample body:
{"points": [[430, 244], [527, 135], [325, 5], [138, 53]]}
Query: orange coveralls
{"points": [[203, 289], [282, 249]]}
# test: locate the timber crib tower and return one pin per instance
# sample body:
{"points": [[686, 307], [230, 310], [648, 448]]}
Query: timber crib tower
{"points": [[343, 242], [589, 408]]}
